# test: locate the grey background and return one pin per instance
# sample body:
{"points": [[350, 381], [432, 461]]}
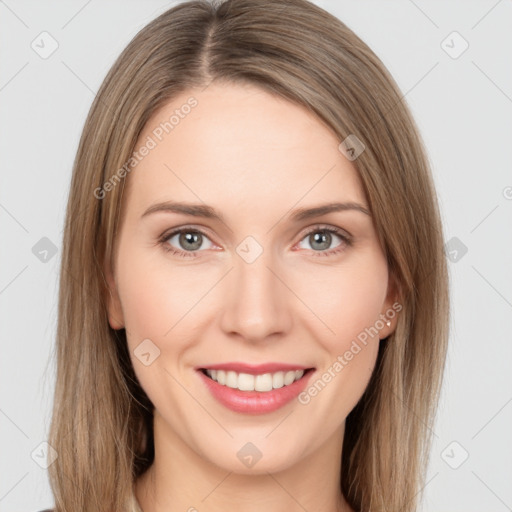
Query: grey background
{"points": [[463, 107]]}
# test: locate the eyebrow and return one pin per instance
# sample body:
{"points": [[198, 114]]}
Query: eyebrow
{"points": [[203, 210]]}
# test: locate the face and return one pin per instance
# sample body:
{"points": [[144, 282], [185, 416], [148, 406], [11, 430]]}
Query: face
{"points": [[247, 279]]}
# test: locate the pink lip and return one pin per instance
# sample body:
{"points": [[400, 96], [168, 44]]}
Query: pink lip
{"points": [[254, 369], [255, 402]]}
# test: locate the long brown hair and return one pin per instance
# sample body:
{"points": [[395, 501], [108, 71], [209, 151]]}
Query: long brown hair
{"points": [[102, 419]]}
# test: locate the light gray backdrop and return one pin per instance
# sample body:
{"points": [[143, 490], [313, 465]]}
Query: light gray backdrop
{"points": [[452, 60]]}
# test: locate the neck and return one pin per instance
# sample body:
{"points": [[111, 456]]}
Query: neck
{"points": [[181, 480]]}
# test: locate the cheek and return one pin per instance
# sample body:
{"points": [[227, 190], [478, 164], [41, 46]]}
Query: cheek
{"points": [[156, 296], [348, 299], [349, 302], [159, 301]]}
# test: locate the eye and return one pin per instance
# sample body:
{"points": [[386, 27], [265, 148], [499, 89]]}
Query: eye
{"points": [[320, 240], [188, 242], [185, 242]]}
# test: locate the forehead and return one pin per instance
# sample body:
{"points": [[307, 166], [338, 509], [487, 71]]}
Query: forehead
{"points": [[242, 146]]}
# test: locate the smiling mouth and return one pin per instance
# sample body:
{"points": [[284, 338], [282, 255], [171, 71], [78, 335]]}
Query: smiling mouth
{"points": [[263, 382]]}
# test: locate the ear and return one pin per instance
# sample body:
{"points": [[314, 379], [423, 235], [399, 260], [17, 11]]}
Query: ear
{"points": [[391, 307], [114, 310]]}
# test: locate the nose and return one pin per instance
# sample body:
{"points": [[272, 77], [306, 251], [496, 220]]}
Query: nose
{"points": [[256, 301]]}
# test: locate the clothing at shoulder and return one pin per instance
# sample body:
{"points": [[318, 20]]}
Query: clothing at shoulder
{"points": [[46, 510]]}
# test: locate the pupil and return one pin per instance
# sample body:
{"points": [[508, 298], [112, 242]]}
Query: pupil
{"points": [[194, 239], [323, 238]]}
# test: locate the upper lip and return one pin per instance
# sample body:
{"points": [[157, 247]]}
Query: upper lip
{"points": [[254, 369]]}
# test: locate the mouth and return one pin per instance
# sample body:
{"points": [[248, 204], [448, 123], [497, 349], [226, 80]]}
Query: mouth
{"points": [[255, 389]]}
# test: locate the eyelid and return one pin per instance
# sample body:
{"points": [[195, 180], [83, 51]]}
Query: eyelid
{"points": [[328, 227]]}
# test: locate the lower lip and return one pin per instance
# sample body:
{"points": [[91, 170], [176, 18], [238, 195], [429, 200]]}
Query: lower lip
{"points": [[255, 402]]}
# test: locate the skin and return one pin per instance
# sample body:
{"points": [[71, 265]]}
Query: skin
{"points": [[255, 158]]}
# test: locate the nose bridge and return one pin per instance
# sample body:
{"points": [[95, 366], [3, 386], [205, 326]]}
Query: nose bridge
{"points": [[256, 304]]}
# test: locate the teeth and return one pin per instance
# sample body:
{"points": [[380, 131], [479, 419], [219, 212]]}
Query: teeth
{"points": [[231, 379], [248, 382], [245, 382], [278, 380], [263, 382], [289, 377]]}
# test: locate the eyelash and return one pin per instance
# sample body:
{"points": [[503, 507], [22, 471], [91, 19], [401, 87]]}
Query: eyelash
{"points": [[163, 241]]}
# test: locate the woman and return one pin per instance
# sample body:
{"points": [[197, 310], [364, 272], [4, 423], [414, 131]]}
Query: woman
{"points": [[253, 298]]}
